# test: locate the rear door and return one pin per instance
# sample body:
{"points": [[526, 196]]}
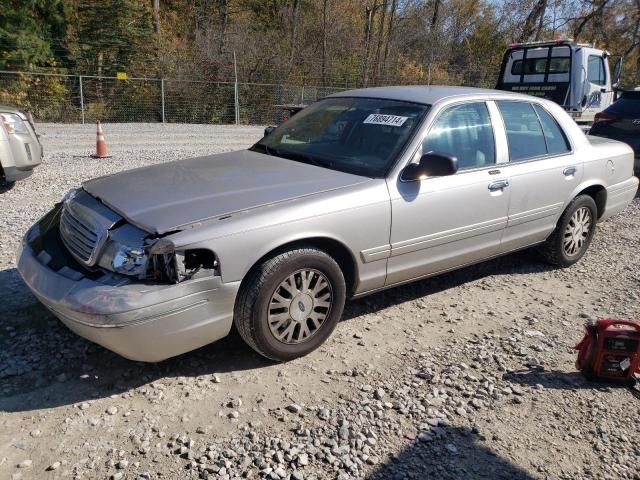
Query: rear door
{"points": [[542, 172]]}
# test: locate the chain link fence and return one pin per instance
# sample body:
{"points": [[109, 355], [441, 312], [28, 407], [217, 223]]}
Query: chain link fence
{"points": [[53, 97], [84, 98]]}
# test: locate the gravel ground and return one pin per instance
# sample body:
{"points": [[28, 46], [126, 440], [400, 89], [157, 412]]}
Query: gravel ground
{"points": [[466, 375]]}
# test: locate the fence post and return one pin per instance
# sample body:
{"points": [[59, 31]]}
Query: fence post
{"points": [[302, 96], [235, 89], [81, 99], [162, 93]]}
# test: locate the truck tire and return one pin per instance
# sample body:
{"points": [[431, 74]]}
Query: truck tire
{"points": [[290, 304]]}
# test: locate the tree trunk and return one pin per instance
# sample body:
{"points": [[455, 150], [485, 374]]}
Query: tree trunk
{"points": [[155, 15], [224, 22], [294, 31], [541, 21], [324, 43], [392, 15], [529, 24], [598, 8], [368, 12], [434, 19], [376, 71]]}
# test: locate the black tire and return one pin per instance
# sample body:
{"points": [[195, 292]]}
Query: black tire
{"points": [[553, 250], [252, 306], [5, 186]]}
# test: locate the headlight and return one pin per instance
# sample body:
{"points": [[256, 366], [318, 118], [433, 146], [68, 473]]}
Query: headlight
{"points": [[126, 260], [13, 124]]}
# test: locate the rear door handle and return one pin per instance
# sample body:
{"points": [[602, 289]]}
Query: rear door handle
{"points": [[498, 185], [569, 171]]}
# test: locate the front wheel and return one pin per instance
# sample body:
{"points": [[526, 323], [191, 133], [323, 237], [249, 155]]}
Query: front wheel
{"points": [[6, 186], [289, 305], [573, 233]]}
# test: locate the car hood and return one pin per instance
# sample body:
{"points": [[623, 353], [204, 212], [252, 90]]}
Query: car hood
{"points": [[175, 195]]}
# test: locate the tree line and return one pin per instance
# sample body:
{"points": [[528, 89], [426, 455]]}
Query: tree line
{"points": [[321, 42]]}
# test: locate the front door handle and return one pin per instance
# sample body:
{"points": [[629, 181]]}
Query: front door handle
{"points": [[569, 171], [498, 185]]}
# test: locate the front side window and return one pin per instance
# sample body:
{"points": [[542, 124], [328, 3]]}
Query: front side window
{"points": [[362, 136], [557, 142], [465, 132], [595, 70]]}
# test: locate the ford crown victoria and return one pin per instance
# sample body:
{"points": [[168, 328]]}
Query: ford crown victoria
{"points": [[361, 191]]}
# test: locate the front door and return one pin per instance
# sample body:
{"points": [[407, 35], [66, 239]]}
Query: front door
{"points": [[440, 223], [597, 92]]}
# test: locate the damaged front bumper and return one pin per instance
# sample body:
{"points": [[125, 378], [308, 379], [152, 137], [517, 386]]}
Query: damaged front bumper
{"points": [[139, 320]]}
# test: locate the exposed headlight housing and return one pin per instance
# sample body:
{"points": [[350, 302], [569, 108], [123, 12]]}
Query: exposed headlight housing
{"points": [[128, 260], [70, 194], [13, 124]]}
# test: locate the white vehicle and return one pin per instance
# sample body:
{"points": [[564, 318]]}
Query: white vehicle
{"points": [[576, 76]]}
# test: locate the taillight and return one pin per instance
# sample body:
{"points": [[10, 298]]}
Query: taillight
{"points": [[604, 117]]}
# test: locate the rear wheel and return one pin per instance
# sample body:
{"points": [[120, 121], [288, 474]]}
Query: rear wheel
{"points": [[289, 305], [573, 233]]}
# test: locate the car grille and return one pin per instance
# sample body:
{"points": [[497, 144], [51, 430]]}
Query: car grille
{"points": [[84, 226], [78, 236]]}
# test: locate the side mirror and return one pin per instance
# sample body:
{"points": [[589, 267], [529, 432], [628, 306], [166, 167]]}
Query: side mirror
{"points": [[431, 164], [268, 130], [617, 72]]}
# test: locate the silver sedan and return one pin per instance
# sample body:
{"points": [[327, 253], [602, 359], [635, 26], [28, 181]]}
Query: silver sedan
{"points": [[359, 192]]}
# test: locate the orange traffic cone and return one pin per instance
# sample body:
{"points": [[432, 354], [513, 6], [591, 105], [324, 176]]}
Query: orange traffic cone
{"points": [[101, 145]]}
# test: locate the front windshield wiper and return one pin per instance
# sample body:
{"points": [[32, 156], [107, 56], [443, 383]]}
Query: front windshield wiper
{"points": [[262, 148], [306, 158], [295, 156]]}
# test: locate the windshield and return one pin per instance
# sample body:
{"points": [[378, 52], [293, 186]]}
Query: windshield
{"points": [[362, 136]]}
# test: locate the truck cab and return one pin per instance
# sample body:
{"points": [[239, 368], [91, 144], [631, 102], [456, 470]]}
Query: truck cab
{"points": [[577, 76]]}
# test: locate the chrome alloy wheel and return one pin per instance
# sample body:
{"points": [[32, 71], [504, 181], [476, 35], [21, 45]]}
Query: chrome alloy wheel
{"points": [[299, 306], [577, 231]]}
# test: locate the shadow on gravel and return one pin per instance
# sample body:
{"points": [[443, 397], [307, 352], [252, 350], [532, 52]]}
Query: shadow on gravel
{"points": [[454, 453], [523, 262], [559, 380]]}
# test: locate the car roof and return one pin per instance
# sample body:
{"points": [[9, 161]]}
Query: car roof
{"points": [[427, 94], [9, 108]]}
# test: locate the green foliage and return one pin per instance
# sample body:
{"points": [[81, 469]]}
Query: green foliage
{"points": [[30, 31]]}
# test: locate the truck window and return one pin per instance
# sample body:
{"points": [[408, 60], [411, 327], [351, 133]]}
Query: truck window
{"points": [[537, 66], [595, 70], [524, 133]]}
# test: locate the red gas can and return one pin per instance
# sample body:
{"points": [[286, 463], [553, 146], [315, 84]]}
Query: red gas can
{"points": [[610, 350]]}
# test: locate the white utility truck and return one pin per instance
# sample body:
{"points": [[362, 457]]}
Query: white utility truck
{"points": [[575, 75]]}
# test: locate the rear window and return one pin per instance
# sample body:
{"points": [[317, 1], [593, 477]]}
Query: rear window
{"points": [[627, 104], [537, 66]]}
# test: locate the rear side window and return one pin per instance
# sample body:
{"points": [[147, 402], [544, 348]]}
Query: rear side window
{"points": [[554, 136], [524, 133]]}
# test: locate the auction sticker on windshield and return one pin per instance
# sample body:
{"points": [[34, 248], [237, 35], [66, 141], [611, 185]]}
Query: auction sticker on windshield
{"points": [[380, 119]]}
